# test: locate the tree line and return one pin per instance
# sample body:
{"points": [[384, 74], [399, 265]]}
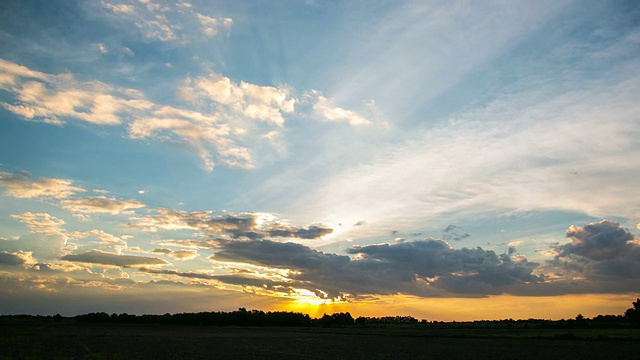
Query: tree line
{"points": [[244, 317]]}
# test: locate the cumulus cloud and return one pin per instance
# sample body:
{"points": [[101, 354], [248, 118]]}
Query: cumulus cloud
{"points": [[459, 270], [233, 118], [228, 226], [602, 240], [426, 268], [265, 103], [19, 258], [207, 135], [22, 185], [274, 254], [56, 99], [40, 246], [104, 258], [101, 204], [599, 251]]}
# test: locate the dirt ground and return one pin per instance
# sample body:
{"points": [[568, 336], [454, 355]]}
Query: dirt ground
{"points": [[112, 341]]}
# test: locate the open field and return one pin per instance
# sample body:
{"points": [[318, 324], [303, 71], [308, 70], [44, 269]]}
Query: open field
{"points": [[70, 340]]}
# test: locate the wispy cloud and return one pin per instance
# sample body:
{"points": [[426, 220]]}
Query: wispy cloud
{"points": [[42, 223], [101, 204], [327, 111], [181, 255], [522, 152]]}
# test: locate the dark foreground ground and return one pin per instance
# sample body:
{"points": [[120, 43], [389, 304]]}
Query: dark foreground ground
{"points": [[68, 340]]}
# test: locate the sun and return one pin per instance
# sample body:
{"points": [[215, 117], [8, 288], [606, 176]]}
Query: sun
{"points": [[319, 297]]}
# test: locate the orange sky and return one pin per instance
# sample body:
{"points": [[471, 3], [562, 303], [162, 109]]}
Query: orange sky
{"points": [[488, 308]]}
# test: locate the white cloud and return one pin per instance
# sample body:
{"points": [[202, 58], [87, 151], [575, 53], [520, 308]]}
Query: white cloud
{"points": [[325, 109], [11, 74], [206, 137], [24, 187], [120, 8], [167, 21], [422, 49], [42, 223], [98, 239], [102, 48], [266, 103], [210, 26], [531, 151], [53, 98], [59, 98]]}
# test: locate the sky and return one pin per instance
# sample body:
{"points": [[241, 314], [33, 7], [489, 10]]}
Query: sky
{"points": [[447, 160]]}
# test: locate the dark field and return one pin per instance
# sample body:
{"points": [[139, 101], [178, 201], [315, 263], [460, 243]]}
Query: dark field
{"points": [[70, 340]]}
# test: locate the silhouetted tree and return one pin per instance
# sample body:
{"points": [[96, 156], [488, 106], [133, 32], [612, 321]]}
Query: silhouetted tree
{"points": [[633, 314]]}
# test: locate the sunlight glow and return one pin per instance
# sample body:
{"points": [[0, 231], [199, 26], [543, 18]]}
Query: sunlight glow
{"points": [[304, 296]]}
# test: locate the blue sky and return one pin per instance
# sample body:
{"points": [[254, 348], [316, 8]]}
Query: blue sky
{"points": [[372, 156]]}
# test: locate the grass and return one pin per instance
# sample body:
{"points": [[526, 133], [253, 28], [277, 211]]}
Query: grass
{"points": [[476, 333]]}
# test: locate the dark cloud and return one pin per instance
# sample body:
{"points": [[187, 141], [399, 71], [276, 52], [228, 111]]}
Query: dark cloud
{"points": [[602, 240], [453, 232], [99, 257], [275, 254], [599, 251], [449, 228], [229, 226], [426, 267], [232, 279], [244, 280], [360, 223], [7, 258], [162, 251], [192, 275], [459, 270], [312, 232]]}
